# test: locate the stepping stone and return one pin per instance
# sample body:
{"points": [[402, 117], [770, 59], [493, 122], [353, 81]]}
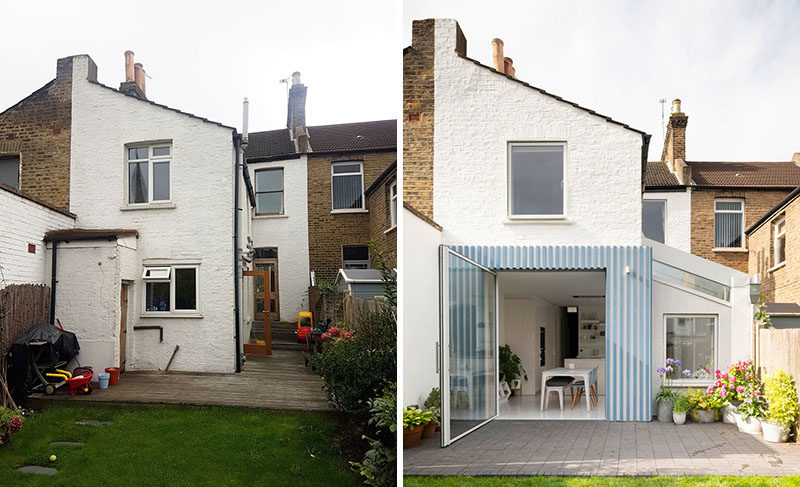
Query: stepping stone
{"points": [[92, 422], [67, 443], [38, 470]]}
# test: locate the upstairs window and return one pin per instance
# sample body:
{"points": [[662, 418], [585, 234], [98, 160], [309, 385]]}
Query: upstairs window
{"points": [[347, 185], [729, 224], [9, 171], [355, 257], [148, 173], [269, 191], [171, 288], [536, 180], [393, 203], [780, 241], [653, 217]]}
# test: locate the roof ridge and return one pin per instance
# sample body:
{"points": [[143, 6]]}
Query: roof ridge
{"points": [[329, 125]]}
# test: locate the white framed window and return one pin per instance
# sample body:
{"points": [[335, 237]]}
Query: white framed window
{"points": [[9, 170], [654, 215], [171, 289], [347, 186], [537, 180], [269, 191], [729, 223], [355, 257], [692, 339], [780, 242], [393, 204], [148, 173]]}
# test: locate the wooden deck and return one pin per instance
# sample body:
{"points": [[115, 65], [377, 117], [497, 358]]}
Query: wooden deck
{"points": [[278, 382]]}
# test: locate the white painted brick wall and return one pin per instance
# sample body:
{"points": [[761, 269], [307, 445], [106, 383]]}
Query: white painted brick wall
{"points": [[678, 224], [289, 233], [199, 227], [23, 221], [477, 112]]}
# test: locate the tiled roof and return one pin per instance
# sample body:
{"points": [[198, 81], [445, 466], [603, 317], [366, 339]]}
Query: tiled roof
{"points": [[658, 175], [69, 234], [745, 174], [359, 136]]}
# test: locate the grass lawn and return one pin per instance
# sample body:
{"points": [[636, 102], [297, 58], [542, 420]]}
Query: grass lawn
{"points": [[178, 446], [707, 481]]}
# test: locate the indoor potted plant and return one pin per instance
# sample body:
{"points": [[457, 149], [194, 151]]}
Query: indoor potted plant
{"points": [[433, 404], [751, 409], [679, 407], [782, 408], [414, 421], [511, 368], [665, 396]]}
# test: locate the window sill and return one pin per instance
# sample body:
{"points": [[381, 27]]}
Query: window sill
{"points": [[269, 217], [555, 220], [148, 206], [350, 211], [170, 315], [776, 267], [390, 229], [690, 383], [729, 249]]}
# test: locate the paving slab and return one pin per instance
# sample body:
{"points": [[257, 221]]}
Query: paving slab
{"points": [[92, 422], [36, 469], [67, 443], [583, 448]]}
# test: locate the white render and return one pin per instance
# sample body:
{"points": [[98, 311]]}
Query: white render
{"points": [[24, 222], [289, 233], [419, 307], [678, 221], [477, 112], [196, 229]]}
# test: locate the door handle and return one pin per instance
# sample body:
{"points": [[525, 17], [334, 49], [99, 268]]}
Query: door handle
{"points": [[450, 365], [438, 357]]}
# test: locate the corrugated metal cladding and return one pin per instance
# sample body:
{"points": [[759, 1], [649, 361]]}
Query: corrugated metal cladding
{"points": [[628, 310]]}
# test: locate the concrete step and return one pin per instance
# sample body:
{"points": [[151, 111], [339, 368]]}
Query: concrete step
{"points": [[288, 345]]}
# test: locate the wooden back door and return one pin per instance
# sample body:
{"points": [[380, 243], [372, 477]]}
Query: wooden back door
{"points": [[261, 294], [272, 304]]}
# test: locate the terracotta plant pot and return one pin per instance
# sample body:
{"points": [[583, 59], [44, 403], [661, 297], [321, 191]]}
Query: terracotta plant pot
{"points": [[679, 418], [429, 429], [775, 433], [751, 425], [411, 436]]}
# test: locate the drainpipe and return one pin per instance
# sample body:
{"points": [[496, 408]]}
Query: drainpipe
{"points": [[53, 286], [237, 145]]}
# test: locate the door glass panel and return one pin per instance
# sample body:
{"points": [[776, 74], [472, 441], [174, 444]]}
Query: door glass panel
{"points": [[472, 347], [259, 305]]}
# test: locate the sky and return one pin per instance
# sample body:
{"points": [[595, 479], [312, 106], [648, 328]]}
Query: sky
{"points": [[204, 57], [735, 65]]}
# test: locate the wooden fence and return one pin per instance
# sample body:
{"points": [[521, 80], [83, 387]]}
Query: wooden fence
{"points": [[355, 308], [779, 348]]}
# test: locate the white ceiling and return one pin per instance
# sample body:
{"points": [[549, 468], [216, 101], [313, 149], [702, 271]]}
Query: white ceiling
{"points": [[556, 287]]}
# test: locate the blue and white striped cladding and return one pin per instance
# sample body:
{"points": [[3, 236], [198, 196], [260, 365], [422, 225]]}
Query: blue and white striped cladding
{"points": [[628, 310]]}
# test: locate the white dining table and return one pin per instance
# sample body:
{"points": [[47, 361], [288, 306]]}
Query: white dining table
{"points": [[582, 373]]}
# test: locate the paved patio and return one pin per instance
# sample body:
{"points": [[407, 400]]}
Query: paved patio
{"points": [[506, 447], [281, 381]]}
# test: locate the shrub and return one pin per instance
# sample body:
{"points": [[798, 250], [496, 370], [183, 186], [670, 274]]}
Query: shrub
{"points": [[10, 423], [379, 466], [434, 404], [781, 398]]}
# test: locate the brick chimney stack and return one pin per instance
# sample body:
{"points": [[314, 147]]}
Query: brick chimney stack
{"points": [[674, 152], [134, 78], [296, 114]]}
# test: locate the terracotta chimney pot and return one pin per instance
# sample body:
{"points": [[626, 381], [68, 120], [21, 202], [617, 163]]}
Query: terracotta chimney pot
{"points": [[497, 55], [508, 65], [138, 75], [129, 66], [676, 105]]}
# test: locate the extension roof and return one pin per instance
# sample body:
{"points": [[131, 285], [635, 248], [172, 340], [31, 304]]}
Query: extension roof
{"points": [[71, 234], [658, 175]]}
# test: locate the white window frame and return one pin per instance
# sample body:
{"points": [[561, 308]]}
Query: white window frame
{"points": [[691, 382], [360, 173], [666, 205], [366, 262], [509, 185], [741, 238], [170, 271], [393, 205], [19, 167], [776, 242], [151, 161]]}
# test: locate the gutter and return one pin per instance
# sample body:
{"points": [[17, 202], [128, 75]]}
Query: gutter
{"points": [[237, 145], [775, 209], [53, 285]]}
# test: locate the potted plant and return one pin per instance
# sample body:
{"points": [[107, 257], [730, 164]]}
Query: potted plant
{"points": [[738, 380], [414, 421], [782, 406], [705, 405], [665, 396], [751, 409], [511, 368], [679, 407], [434, 403]]}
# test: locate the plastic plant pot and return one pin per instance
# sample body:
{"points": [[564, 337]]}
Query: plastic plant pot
{"points": [[114, 372], [103, 378], [775, 433]]}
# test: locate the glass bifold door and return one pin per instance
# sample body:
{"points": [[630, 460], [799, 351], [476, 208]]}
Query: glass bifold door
{"points": [[468, 345]]}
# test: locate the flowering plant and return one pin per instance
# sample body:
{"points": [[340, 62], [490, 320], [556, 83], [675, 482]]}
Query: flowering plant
{"points": [[10, 423], [667, 373], [337, 333], [705, 400], [781, 398], [739, 380], [752, 406]]}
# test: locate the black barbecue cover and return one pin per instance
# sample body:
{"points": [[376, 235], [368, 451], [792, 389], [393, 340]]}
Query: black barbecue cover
{"points": [[58, 346]]}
